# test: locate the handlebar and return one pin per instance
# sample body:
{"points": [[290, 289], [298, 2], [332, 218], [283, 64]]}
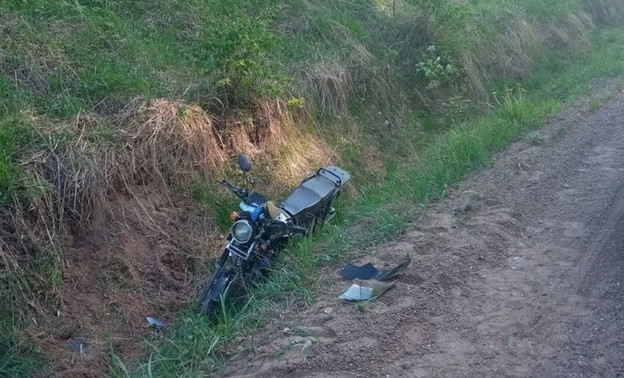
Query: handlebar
{"points": [[240, 192], [227, 184]]}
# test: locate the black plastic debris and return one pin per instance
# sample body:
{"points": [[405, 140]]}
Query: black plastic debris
{"points": [[368, 271], [364, 272], [155, 323]]}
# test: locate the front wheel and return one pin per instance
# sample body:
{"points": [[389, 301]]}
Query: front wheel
{"points": [[209, 308], [215, 289], [211, 296]]}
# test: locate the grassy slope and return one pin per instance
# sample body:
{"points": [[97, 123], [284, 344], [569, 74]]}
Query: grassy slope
{"points": [[367, 72]]}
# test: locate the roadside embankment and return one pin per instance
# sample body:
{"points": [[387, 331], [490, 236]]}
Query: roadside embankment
{"points": [[116, 119]]}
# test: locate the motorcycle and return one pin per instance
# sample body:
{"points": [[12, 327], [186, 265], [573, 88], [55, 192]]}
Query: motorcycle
{"points": [[261, 228]]}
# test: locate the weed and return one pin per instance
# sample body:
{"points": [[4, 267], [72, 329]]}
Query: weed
{"points": [[48, 265], [595, 104], [437, 71], [362, 306], [560, 133], [510, 97], [535, 138]]}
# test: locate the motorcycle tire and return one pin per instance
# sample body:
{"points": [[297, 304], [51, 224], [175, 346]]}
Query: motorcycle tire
{"points": [[209, 308], [318, 222], [311, 226], [215, 290]]}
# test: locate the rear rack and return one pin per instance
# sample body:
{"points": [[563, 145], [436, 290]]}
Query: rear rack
{"points": [[334, 174]]}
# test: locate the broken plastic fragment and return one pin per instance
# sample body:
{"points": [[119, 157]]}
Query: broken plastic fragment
{"points": [[368, 271], [364, 272], [157, 324], [386, 275], [364, 293], [357, 293]]}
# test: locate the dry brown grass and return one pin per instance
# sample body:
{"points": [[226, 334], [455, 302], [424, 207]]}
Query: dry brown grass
{"points": [[606, 11], [275, 126], [75, 173], [168, 140], [354, 75], [94, 182], [511, 53], [331, 84], [333, 81], [572, 33]]}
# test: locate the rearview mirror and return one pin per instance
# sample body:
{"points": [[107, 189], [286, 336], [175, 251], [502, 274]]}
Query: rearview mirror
{"points": [[244, 163]]}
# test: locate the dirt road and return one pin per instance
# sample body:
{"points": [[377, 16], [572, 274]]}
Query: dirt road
{"points": [[519, 272]]}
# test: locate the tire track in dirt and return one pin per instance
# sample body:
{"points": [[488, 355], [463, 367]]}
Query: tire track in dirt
{"points": [[519, 272]]}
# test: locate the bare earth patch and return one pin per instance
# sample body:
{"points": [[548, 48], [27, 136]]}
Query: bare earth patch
{"points": [[518, 272]]}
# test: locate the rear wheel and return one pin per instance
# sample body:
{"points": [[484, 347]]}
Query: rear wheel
{"points": [[322, 219], [311, 225]]}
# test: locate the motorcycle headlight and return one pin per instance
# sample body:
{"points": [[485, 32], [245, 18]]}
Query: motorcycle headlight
{"points": [[242, 231]]}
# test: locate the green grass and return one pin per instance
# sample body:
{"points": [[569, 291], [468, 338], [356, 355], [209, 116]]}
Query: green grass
{"points": [[74, 55]]}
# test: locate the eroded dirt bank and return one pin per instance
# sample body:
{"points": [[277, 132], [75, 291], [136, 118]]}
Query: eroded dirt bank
{"points": [[519, 272]]}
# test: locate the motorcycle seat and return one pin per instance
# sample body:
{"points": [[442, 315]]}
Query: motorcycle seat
{"points": [[310, 193]]}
